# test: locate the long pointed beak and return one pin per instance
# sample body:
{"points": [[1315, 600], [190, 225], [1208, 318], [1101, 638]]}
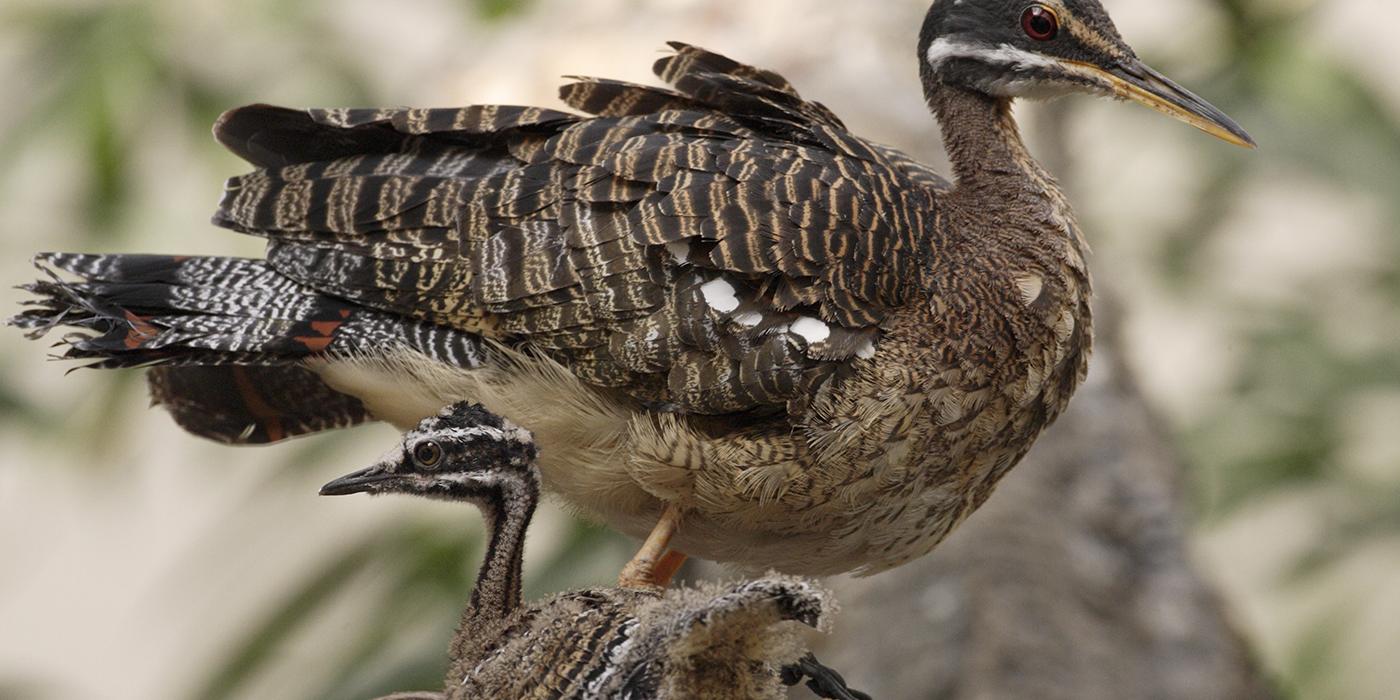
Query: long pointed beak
{"points": [[1136, 81], [358, 482]]}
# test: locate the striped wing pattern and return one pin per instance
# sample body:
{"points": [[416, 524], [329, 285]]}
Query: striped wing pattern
{"points": [[719, 247], [227, 336], [180, 311]]}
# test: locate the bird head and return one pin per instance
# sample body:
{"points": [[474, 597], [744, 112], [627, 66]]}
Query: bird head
{"points": [[1043, 48], [463, 453]]}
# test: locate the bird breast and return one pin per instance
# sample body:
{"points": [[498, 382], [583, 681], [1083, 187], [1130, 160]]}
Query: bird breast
{"points": [[874, 470]]}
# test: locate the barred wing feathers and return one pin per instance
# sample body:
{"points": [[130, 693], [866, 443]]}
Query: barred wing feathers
{"points": [[715, 247], [227, 338], [718, 247]]}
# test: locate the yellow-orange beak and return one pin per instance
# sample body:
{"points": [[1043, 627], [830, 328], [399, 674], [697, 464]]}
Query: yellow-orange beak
{"points": [[1134, 80]]}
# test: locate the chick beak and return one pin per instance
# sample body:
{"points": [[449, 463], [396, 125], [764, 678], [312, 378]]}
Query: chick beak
{"points": [[358, 482], [1134, 80]]}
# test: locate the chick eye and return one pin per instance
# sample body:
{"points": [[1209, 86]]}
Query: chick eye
{"points": [[427, 455], [1040, 23]]}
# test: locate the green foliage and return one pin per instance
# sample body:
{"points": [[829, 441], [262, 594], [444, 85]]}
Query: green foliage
{"points": [[1317, 116], [499, 9], [298, 605], [1312, 668], [1283, 423], [100, 64], [418, 571]]}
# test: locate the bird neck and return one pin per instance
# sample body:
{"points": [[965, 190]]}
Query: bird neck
{"points": [[999, 180], [507, 511], [983, 141]]}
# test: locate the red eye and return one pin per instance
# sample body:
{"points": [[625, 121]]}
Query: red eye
{"points": [[1040, 23]]}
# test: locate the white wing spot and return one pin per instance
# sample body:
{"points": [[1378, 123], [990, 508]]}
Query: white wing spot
{"points": [[811, 329], [719, 294], [866, 350], [680, 250], [748, 319], [1031, 286]]}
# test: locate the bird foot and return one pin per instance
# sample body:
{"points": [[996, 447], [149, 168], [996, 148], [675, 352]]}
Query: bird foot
{"points": [[825, 681], [654, 565]]}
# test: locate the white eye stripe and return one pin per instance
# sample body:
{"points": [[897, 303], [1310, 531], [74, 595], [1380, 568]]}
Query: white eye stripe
{"points": [[483, 478], [509, 433], [475, 431], [945, 49]]}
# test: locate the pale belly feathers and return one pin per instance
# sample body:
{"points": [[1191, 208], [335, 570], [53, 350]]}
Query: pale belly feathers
{"points": [[883, 465]]}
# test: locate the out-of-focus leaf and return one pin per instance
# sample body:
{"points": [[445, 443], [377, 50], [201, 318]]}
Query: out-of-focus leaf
{"points": [[499, 9], [1372, 515], [426, 574], [432, 579], [1294, 386], [1313, 659], [282, 622], [14, 406]]}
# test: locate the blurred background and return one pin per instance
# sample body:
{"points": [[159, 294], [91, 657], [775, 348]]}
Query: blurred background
{"points": [[1257, 297]]}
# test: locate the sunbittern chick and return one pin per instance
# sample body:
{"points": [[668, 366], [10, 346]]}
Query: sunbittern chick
{"points": [[712, 642], [712, 300]]}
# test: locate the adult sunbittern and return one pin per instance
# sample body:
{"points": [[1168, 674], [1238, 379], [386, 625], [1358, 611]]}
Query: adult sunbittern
{"points": [[712, 300]]}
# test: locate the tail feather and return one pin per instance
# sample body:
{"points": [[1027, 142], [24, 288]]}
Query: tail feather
{"points": [[220, 332], [145, 309], [243, 405], [273, 137]]}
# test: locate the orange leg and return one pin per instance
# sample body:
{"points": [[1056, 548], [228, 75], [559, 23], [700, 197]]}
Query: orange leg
{"points": [[653, 566], [666, 569]]}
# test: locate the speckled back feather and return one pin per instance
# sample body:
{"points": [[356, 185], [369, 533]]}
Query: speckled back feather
{"points": [[715, 641]]}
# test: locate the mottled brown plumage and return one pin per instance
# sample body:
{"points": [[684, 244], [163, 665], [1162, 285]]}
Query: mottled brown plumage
{"points": [[711, 296], [714, 641]]}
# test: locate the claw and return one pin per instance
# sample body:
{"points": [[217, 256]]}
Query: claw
{"points": [[825, 681]]}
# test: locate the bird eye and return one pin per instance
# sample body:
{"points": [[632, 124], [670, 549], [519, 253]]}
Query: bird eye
{"points": [[1040, 23], [427, 455]]}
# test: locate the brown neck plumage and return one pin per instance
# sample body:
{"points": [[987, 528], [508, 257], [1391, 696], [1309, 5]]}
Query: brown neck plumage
{"points": [[507, 512], [982, 139], [998, 179]]}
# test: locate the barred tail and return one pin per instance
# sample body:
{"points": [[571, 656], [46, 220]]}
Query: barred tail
{"points": [[228, 338]]}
